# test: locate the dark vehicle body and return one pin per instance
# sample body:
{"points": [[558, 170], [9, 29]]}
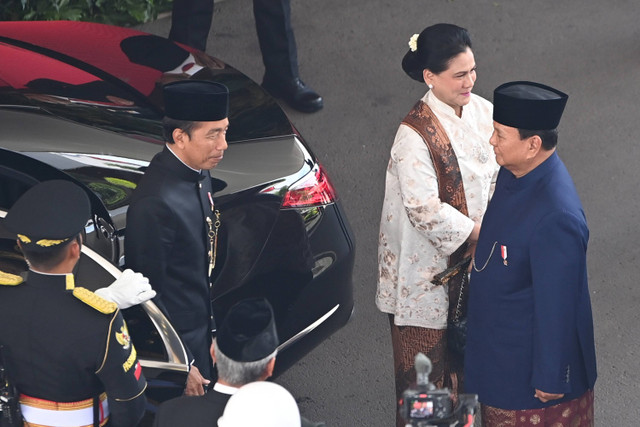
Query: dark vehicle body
{"points": [[82, 102]]}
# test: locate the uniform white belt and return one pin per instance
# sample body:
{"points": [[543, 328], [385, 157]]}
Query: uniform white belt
{"points": [[46, 413]]}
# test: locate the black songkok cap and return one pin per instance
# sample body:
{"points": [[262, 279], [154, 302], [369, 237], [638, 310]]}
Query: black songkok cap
{"points": [[248, 332], [196, 100], [528, 105], [48, 214]]}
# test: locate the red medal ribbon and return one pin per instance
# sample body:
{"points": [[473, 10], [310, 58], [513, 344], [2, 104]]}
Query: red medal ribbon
{"points": [[138, 371]]}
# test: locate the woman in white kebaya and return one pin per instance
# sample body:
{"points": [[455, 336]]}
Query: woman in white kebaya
{"points": [[441, 146]]}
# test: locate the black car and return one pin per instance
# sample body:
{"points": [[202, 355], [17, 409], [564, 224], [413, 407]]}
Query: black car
{"points": [[82, 102]]}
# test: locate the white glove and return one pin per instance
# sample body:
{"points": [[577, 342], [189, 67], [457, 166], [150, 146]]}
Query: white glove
{"points": [[128, 290]]}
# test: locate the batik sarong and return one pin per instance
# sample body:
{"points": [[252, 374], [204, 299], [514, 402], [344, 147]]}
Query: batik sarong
{"points": [[573, 413]]}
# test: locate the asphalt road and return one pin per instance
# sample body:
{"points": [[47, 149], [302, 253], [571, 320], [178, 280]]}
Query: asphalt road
{"points": [[350, 51]]}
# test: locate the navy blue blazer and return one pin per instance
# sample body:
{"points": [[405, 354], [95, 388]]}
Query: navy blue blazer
{"points": [[530, 324]]}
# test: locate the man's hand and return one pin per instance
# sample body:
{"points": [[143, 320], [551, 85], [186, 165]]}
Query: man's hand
{"points": [[128, 290], [195, 382], [545, 397]]}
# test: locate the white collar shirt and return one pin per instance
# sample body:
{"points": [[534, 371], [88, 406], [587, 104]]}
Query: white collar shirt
{"points": [[225, 389]]}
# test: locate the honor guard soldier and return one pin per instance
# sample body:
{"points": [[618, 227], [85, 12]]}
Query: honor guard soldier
{"points": [[67, 349], [172, 223]]}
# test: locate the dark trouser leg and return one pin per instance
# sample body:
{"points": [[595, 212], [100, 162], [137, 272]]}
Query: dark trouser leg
{"points": [[277, 42], [191, 22]]}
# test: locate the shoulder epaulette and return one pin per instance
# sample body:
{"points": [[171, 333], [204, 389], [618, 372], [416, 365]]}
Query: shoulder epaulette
{"points": [[8, 279], [95, 301]]}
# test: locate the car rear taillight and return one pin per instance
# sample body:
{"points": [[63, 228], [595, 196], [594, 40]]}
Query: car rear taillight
{"points": [[314, 189]]}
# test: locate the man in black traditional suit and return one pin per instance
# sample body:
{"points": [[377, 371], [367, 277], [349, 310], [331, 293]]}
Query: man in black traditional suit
{"points": [[244, 351], [67, 349], [172, 223]]}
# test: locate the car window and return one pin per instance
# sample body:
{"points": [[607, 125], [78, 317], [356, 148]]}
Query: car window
{"points": [[13, 184], [113, 185]]}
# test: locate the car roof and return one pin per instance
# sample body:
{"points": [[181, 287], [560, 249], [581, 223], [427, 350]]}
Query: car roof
{"points": [[111, 77]]}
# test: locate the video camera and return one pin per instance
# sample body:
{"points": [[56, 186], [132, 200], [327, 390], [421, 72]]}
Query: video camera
{"points": [[428, 406]]}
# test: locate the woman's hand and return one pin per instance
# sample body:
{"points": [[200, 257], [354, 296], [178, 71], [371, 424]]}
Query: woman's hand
{"points": [[472, 242], [475, 233]]}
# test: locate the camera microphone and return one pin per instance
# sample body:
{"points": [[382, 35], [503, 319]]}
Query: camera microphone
{"points": [[428, 406], [423, 369]]}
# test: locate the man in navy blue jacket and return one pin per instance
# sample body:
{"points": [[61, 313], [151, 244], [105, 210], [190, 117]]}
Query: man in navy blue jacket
{"points": [[530, 352]]}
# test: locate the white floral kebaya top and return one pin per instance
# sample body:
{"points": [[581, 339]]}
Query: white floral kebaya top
{"points": [[418, 232]]}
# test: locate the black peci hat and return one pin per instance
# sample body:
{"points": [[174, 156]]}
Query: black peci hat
{"points": [[248, 331], [49, 214], [196, 100], [528, 105]]}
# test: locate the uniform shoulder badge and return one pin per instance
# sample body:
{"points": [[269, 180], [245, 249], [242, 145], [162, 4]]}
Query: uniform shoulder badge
{"points": [[95, 301], [123, 337], [8, 279]]}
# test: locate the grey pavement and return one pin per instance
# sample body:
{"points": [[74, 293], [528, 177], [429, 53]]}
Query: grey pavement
{"points": [[350, 51]]}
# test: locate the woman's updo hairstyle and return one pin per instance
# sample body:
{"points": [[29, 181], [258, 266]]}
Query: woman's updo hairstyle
{"points": [[436, 46]]}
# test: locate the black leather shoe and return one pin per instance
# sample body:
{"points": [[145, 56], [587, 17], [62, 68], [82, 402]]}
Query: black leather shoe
{"points": [[297, 94]]}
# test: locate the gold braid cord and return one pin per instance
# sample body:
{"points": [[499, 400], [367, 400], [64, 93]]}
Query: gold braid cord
{"points": [[95, 301]]}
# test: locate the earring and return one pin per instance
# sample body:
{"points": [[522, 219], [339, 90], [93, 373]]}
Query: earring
{"points": [[430, 86]]}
